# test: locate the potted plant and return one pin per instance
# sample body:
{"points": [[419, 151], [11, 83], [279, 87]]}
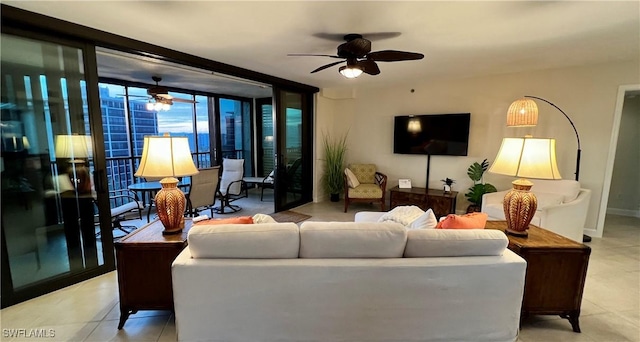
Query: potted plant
{"points": [[479, 188], [447, 184], [334, 153]]}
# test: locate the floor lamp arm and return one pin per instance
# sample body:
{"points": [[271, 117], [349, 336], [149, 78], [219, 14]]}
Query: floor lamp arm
{"points": [[574, 129]]}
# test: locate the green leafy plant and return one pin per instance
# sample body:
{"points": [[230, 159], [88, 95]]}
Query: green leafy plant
{"points": [[335, 150], [479, 188]]}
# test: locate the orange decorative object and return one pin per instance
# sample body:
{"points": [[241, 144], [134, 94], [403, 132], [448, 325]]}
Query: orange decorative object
{"points": [[171, 203], [519, 207]]}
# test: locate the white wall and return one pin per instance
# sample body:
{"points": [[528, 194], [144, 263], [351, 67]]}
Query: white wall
{"points": [[587, 94], [624, 195]]}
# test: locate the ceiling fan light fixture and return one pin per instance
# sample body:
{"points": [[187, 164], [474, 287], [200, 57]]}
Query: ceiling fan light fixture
{"points": [[150, 105], [350, 71]]}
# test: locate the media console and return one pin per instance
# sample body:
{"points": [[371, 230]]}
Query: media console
{"points": [[441, 203]]}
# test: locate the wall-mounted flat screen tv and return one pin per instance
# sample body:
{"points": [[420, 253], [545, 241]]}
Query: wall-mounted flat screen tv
{"points": [[435, 134]]}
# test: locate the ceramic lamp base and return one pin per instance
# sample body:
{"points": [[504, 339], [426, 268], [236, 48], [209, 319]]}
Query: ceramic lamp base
{"points": [[519, 207], [171, 203]]}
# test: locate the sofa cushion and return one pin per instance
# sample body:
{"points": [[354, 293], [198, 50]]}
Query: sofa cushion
{"points": [[366, 173], [467, 221], [446, 243], [546, 199], [244, 241], [569, 189], [352, 180], [404, 214], [262, 218], [352, 240], [366, 191], [425, 221]]}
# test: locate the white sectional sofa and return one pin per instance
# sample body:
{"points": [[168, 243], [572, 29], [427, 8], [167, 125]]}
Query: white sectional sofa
{"points": [[346, 281], [562, 206]]}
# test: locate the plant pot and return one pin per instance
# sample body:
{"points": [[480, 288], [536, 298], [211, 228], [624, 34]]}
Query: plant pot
{"points": [[473, 208], [335, 197]]}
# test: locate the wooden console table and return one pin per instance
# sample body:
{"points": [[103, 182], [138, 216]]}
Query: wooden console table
{"points": [[144, 260], [442, 204], [556, 271]]}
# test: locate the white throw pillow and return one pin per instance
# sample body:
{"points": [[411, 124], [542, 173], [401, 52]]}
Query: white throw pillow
{"points": [[262, 218], [352, 180], [402, 214], [425, 221]]}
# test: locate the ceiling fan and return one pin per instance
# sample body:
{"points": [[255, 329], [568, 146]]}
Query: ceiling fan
{"points": [[160, 93], [357, 53], [159, 98]]}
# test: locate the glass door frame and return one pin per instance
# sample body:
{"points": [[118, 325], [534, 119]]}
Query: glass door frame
{"points": [[280, 129], [9, 295]]}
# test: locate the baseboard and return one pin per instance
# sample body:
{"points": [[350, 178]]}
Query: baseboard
{"points": [[591, 232], [623, 212]]}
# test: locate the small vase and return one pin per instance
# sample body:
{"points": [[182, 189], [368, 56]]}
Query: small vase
{"points": [[447, 189], [335, 197]]}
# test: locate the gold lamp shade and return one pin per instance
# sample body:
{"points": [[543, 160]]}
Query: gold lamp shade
{"points": [[522, 113], [524, 157], [169, 157]]}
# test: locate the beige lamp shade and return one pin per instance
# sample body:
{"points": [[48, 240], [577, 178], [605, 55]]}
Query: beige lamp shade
{"points": [[166, 156], [169, 157], [524, 157], [527, 158], [522, 113], [74, 146]]}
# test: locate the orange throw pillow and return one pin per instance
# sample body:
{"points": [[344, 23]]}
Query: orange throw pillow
{"points": [[231, 220], [468, 221]]}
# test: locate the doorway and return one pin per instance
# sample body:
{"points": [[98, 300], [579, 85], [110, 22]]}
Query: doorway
{"points": [[621, 191]]}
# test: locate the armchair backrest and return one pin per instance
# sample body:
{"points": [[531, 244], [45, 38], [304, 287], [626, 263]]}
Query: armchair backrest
{"points": [[203, 187], [232, 172], [366, 173]]}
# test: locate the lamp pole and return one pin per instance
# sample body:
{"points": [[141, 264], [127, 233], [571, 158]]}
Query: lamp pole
{"points": [[574, 129]]}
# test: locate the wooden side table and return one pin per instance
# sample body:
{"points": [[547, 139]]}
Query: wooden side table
{"points": [[442, 204], [556, 272], [144, 260]]}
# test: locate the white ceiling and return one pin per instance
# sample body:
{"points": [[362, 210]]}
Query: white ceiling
{"points": [[458, 39]]}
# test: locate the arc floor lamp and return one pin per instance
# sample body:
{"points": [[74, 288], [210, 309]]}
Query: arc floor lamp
{"points": [[524, 113]]}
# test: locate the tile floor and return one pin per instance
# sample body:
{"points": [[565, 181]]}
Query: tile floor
{"points": [[89, 311]]}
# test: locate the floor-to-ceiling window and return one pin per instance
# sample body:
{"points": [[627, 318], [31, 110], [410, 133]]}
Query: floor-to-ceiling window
{"points": [[236, 131]]}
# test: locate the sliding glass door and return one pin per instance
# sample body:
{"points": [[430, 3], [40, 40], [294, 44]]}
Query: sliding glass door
{"points": [[293, 154], [51, 234]]}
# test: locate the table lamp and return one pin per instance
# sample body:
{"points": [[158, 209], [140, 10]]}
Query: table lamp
{"points": [[525, 158], [76, 148], [168, 157]]}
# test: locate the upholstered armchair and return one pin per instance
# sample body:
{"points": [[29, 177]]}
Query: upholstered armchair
{"points": [[362, 183]]}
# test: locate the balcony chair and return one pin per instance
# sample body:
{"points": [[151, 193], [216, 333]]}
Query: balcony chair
{"points": [[364, 184], [231, 187], [202, 192], [124, 201], [263, 182]]}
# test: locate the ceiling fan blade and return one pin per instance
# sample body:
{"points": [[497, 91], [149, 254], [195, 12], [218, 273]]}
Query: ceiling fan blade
{"points": [[394, 56], [327, 66], [123, 95], [357, 47], [309, 54], [369, 67], [176, 99]]}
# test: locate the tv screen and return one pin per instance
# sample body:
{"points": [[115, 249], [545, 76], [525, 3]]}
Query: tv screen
{"points": [[436, 134]]}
